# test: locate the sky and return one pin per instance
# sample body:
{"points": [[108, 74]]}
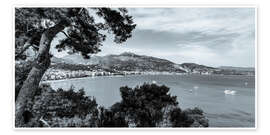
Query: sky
{"points": [[208, 36]]}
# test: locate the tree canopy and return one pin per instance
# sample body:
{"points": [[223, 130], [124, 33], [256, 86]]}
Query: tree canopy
{"points": [[83, 33]]}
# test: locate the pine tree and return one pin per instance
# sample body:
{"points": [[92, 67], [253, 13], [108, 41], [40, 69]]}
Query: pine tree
{"points": [[37, 27]]}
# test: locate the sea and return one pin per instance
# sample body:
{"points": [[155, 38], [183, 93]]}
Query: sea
{"points": [[227, 100]]}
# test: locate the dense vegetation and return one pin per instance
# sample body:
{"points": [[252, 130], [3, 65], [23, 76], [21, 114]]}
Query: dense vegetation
{"points": [[148, 105]]}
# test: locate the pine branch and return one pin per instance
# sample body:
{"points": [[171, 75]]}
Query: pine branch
{"points": [[26, 46]]}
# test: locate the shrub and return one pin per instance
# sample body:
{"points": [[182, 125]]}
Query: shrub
{"points": [[144, 104], [197, 115], [109, 118], [195, 110], [180, 118], [61, 105]]}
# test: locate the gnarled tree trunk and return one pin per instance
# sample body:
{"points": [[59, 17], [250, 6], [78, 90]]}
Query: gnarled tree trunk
{"points": [[31, 83]]}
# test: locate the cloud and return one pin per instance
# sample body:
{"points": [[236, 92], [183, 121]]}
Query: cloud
{"points": [[210, 36], [193, 19], [214, 36]]}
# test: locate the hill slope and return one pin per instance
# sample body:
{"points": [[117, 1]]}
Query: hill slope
{"points": [[132, 62]]}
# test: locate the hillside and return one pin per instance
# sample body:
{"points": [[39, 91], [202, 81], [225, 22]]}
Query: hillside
{"points": [[196, 68], [133, 62], [123, 62]]}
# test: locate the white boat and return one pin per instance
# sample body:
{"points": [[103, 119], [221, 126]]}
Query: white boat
{"points": [[230, 92]]}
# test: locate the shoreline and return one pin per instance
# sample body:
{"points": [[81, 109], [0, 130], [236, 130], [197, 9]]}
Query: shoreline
{"points": [[93, 77]]}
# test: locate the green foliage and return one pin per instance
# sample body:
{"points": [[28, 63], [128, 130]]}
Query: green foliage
{"points": [[188, 118], [180, 118], [119, 22], [62, 105], [144, 104], [195, 110], [197, 115], [83, 34], [109, 118]]}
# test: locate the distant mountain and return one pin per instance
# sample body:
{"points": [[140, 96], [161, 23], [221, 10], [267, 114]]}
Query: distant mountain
{"points": [[237, 68], [56, 60], [133, 62], [78, 59]]}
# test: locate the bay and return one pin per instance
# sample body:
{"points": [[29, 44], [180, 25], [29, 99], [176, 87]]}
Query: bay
{"points": [[203, 91]]}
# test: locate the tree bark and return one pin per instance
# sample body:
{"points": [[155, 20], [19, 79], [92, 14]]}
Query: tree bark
{"points": [[42, 63]]}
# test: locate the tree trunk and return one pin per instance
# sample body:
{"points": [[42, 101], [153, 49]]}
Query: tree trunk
{"points": [[31, 83]]}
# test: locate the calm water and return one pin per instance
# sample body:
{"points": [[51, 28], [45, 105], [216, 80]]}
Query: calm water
{"points": [[206, 92]]}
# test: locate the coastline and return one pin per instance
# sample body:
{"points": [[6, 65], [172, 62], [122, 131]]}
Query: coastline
{"points": [[93, 77]]}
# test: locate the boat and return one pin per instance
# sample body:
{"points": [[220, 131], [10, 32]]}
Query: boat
{"points": [[230, 92]]}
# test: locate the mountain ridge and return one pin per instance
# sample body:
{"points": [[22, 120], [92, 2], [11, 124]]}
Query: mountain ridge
{"points": [[128, 61]]}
